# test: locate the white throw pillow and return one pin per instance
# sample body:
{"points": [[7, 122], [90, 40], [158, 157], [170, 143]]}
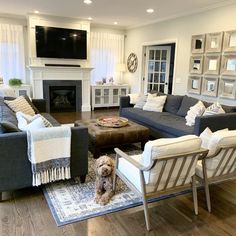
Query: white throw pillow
{"points": [[155, 103], [210, 139], [214, 109], [142, 99], [134, 97], [194, 111]]}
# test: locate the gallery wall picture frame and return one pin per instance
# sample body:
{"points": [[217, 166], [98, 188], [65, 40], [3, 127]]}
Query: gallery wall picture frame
{"points": [[227, 87], [196, 64], [210, 86], [212, 64], [228, 64], [194, 84], [198, 43], [229, 41], [214, 42]]}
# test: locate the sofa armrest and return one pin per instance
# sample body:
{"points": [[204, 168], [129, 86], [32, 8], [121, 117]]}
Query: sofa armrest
{"points": [[215, 122], [40, 104], [125, 102]]}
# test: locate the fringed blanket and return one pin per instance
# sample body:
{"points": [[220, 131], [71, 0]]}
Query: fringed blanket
{"points": [[49, 154]]}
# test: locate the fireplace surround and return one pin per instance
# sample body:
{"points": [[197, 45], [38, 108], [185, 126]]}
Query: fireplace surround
{"points": [[62, 95]]}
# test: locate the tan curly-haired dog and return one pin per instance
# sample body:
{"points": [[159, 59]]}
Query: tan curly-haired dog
{"points": [[104, 168]]}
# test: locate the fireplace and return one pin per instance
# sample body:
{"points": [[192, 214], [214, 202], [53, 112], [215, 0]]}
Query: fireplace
{"points": [[62, 95]]}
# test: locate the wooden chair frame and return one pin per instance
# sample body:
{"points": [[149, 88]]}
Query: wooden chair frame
{"points": [[174, 189], [221, 177]]}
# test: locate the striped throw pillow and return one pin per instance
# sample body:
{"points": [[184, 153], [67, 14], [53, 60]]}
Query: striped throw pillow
{"points": [[20, 104]]}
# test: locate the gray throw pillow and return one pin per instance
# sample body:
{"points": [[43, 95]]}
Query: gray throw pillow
{"points": [[8, 127], [173, 103], [187, 102]]}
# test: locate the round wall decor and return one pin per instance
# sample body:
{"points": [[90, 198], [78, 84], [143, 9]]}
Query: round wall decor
{"points": [[132, 62]]}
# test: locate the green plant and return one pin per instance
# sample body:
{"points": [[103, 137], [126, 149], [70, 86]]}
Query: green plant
{"points": [[15, 82]]}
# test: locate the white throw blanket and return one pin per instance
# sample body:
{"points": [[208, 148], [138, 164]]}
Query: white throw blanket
{"points": [[49, 154]]}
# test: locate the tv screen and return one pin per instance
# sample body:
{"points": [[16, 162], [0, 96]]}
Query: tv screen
{"points": [[61, 43]]}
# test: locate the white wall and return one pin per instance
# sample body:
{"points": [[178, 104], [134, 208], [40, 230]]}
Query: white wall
{"points": [[220, 19]]}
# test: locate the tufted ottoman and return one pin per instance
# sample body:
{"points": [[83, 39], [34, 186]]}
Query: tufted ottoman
{"points": [[104, 137]]}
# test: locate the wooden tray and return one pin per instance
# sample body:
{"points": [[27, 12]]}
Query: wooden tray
{"points": [[112, 121]]}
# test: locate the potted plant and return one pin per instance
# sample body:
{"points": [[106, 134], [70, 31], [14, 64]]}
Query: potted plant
{"points": [[15, 82]]}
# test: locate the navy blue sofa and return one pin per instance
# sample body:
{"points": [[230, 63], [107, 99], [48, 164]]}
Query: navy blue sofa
{"points": [[171, 122], [15, 168]]}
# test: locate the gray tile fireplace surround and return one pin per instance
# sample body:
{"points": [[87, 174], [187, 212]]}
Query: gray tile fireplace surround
{"points": [[77, 84]]}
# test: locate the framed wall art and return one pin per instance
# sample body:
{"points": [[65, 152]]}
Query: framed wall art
{"points": [[214, 42], [227, 87], [194, 84], [210, 85], [228, 64], [198, 43], [230, 41], [212, 64], [196, 64]]}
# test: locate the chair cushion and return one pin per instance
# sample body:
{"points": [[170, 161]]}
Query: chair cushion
{"points": [[168, 147], [186, 103], [155, 104], [173, 103]]}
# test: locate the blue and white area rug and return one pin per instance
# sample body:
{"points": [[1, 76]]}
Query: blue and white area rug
{"points": [[70, 201]]}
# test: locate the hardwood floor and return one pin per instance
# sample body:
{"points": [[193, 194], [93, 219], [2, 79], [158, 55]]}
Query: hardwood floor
{"points": [[27, 213]]}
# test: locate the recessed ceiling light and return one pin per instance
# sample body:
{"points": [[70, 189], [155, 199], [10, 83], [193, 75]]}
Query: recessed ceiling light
{"points": [[36, 12], [115, 23], [150, 10], [88, 1], [90, 18]]}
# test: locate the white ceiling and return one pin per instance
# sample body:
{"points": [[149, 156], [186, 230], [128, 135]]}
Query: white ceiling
{"points": [[128, 13]]}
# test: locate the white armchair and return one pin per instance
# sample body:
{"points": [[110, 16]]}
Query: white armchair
{"points": [[166, 166], [220, 163]]}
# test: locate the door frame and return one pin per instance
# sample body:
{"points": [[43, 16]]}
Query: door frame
{"points": [[157, 43]]}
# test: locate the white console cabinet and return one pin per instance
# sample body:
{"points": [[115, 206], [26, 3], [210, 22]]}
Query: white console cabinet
{"points": [[24, 89], [108, 95]]}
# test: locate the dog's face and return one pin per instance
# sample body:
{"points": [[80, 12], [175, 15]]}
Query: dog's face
{"points": [[104, 166]]}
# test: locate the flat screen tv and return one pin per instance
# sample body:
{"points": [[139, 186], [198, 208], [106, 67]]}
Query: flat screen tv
{"points": [[54, 42]]}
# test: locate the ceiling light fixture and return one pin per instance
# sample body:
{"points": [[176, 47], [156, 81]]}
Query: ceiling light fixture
{"points": [[115, 23], [36, 12], [150, 10], [90, 18], [88, 1]]}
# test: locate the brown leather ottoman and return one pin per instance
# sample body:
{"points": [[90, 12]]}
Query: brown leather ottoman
{"points": [[104, 137]]}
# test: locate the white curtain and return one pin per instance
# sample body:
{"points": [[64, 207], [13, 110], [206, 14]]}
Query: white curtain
{"points": [[107, 51], [12, 58]]}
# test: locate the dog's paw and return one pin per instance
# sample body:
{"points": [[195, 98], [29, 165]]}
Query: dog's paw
{"points": [[104, 200], [97, 198]]}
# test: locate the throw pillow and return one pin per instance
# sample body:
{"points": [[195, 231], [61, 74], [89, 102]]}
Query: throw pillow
{"points": [[194, 111], [20, 104], [209, 139], [142, 99], [45, 121], [214, 109], [134, 97], [8, 127], [173, 103], [186, 103], [31, 104], [155, 103], [25, 122]]}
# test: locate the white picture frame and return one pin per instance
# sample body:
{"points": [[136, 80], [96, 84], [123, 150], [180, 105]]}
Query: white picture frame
{"points": [[196, 64], [229, 41], [228, 64], [214, 42], [227, 87], [212, 64], [210, 86], [198, 43], [194, 84]]}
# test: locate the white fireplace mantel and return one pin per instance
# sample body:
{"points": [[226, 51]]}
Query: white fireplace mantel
{"points": [[40, 73]]}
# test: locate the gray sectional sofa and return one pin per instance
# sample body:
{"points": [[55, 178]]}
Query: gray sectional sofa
{"points": [[15, 168], [171, 122]]}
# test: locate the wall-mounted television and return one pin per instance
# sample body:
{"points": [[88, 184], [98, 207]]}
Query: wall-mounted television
{"points": [[54, 42]]}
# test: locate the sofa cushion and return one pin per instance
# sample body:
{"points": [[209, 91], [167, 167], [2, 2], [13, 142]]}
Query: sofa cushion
{"points": [[53, 121], [8, 127], [163, 121], [6, 114], [154, 103], [186, 103], [173, 103]]}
